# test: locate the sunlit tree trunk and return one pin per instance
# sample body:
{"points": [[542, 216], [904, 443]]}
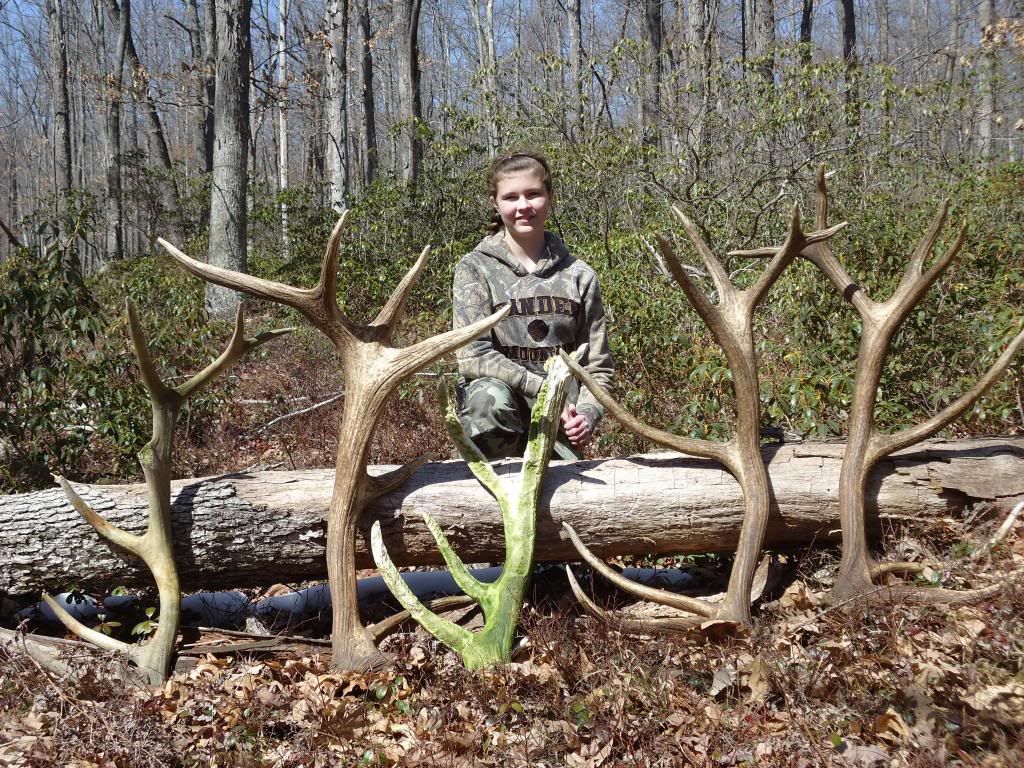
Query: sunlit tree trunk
{"points": [[987, 106], [487, 68], [282, 117], [61, 108], [336, 79], [409, 149], [228, 214], [114, 86], [953, 46], [760, 34]]}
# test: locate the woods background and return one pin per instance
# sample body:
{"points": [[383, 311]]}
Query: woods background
{"points": [[238, 129]]}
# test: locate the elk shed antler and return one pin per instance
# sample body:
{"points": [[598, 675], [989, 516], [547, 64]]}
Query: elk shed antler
{"points": [[156, 547], [518, 497], [866, 445], [373, 371], [731, 321]]}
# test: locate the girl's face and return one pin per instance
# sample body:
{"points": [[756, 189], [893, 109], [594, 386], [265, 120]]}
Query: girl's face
{"points": [[522, 201]]}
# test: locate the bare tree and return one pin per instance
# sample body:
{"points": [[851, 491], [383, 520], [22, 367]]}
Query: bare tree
{"points": [[111, 95], [650, 101], [575, 26], [368, 134], [282, 117], [488, 65], [987, 106], [410, 107], [336, 80], [760, 16], [848, 30], [228, 215], [60, 105]]}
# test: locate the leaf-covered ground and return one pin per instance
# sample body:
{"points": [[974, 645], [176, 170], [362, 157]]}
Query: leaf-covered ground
{"points": [[811, 685]]}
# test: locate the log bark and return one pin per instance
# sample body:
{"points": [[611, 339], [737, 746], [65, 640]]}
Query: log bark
{"points": [[256, 529]]}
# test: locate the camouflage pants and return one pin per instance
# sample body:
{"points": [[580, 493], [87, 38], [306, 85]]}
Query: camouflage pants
{"points": [[497, 418]]}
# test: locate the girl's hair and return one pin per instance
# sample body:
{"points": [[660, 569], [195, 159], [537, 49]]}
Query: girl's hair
{"points": [[506, 165]]}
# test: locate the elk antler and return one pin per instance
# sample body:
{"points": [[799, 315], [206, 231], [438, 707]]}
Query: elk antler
{"points": [[373, 370], [866, 445], [155, 547], [518, 498], [731, 323]]}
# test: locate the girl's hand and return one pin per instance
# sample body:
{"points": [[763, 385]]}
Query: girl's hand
{"points": [[577, 426]]}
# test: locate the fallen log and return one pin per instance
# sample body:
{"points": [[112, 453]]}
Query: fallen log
{"points": [[256, 529]]}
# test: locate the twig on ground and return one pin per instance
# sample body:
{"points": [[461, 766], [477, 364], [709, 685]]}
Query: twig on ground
{"points": [[1002, 533]]}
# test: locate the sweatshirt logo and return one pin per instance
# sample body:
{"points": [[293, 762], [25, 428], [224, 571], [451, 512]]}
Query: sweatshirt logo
{"points": [[541, 305], [538, 329]]}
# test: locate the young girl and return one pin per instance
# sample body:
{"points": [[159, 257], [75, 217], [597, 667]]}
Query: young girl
{"points": [[556, 304]]}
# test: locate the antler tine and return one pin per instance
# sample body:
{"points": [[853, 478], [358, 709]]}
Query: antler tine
{"points": [[460, 573], [941, 264], [381, 485], [238, 346], [707, 449], [150, 378], [387, 626], [794, 242], [660, 596], [427, 351], [699, 300], [820, 199], [446, 631], [88, 634], [104, 527], [927, 241], [326, 291], [474, 458], [719, 275], [307, 301], [391, 312], [883, 445], [629, 626]]}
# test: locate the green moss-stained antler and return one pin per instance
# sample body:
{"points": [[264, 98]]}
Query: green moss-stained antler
{"points": [[155, 546], [518, 497]]}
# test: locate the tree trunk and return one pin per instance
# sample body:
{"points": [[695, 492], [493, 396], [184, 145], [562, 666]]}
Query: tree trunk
{"points": [[228, 214], [806, 28], [368, 136], [114, 205], [575, 25], [848, 31], [282, 115], [987, 107], [650, 100], [410, 109], [248, 530], [59, 96], [336, 79], [760, 16], [140, 85], [210, 42]]}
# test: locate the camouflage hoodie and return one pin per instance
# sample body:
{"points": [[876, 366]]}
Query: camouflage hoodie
{"points": [[558, 306]]}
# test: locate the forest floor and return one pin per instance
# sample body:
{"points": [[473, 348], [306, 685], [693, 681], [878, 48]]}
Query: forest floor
{"points": [[810, 685]]}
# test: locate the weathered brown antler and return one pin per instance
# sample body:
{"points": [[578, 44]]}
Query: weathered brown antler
{"points": [[155, 547], [373, 370], [731, 321], [866, 445]]}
